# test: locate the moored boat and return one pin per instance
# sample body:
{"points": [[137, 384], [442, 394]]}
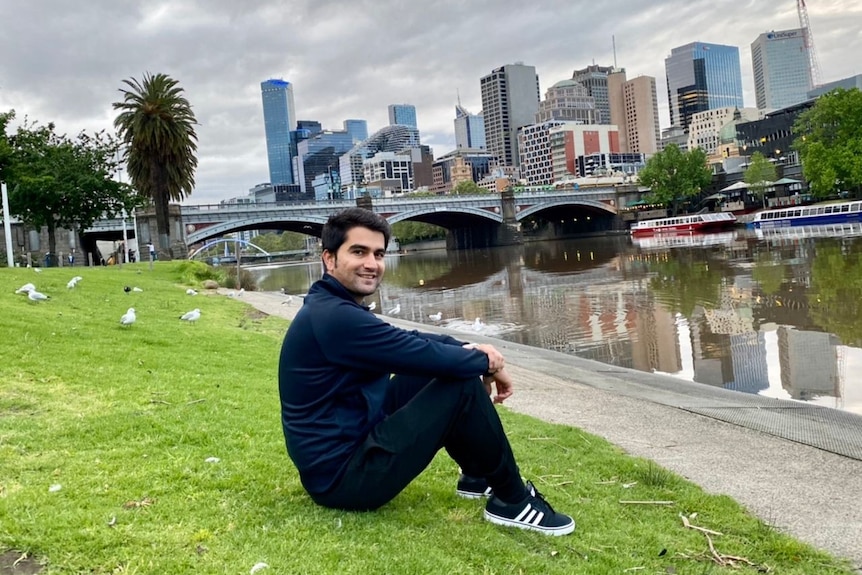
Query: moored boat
{"points": [[689, 223], [816, 214]]}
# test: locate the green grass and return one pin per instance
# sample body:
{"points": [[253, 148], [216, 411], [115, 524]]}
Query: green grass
{"points": [[124, 420]]}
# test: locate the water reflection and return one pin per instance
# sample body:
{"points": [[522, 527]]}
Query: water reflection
{"points": [[778, 315]]}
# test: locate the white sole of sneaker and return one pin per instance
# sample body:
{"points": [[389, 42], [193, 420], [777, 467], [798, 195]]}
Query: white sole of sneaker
{"points": [[555, 531], [473, 494]]}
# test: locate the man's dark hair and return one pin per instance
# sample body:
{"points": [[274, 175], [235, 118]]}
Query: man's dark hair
{"points": [[336, 227]]}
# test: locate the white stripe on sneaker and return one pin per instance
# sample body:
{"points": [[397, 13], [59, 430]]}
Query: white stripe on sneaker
{"points": [[523, 512]]}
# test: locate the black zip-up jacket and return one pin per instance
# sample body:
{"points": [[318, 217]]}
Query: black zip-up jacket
{"points": [[333, 373]]}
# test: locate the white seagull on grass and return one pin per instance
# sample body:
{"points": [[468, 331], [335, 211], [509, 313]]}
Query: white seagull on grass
{"points": [[28, 287], [129, 317], [191, 316], [36, 296], [190, 291], [436, 316]]}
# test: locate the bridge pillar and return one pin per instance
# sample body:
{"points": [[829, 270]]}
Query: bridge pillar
{"points": [[365, 202], [509, 232], [146, 220]]}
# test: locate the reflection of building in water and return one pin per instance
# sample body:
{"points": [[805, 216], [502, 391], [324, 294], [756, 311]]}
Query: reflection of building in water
{"points": [[656, 347], [713, 363], [750, 373], [809, 363]]}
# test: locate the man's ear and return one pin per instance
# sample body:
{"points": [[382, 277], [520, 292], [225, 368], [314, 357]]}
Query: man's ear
{"points": [[328, 260]]}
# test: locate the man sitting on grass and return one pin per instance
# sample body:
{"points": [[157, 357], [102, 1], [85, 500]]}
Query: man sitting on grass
{"points": [[365, 406]]}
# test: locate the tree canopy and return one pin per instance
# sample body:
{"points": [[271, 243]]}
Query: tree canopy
{"points": [[759, 175], [468, 188], [829, 142], [61, 182], [156, 123], [674, 175]]}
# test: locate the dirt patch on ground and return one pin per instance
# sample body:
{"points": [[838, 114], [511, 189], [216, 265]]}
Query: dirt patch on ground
{"points": [[255, 314], [16, 563]]}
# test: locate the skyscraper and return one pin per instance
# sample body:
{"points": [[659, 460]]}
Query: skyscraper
{"points": [[595, 79], [402, 115], [634, 110], [358, 129], [469, 129], [782, 69], [510, 100], [701, 77], [278, 118]]}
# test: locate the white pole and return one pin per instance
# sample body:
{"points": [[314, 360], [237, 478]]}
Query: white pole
{"points": [[7, 226]]}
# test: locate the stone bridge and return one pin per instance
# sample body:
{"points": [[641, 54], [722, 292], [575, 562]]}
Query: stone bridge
{"points": [[471, 221]]}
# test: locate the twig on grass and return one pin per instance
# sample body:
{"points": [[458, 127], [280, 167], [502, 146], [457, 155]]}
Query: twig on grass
{"points": [[622, 502], [686, 522]]}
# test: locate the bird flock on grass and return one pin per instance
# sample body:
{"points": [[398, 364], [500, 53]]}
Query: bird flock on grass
{"points": [[126, 320]]}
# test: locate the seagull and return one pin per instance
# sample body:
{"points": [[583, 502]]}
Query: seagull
{"points": [[36, 296], [190, 291], [192, 316], [28, 287], [77, 278], [372, 306], [395, 310], [288, 301], [72, 283], [478, 325], [136, 288], [436, 316], [129, 317], [240, 292]]}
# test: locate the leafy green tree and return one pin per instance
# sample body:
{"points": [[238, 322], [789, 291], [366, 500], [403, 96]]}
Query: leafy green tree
{"points": [[409, 232], [468, 188], [835, 295], [759, 175], [61, 182], [674, 175], [829, 141], [5, 148], [156, 123]]}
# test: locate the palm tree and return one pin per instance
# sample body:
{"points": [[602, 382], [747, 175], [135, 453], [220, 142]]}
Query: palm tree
{"points": [[156, 123]]}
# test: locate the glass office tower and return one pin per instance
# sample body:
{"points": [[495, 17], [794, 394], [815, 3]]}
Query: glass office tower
{"points": [[782, 69], [702, 77], [278, 118], [469, 129], [402, 115]]}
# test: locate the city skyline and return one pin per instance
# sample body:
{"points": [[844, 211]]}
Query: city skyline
{"points": [[67, 66]]}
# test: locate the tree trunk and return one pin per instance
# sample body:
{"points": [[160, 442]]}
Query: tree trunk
{"points": [[51, 257]]}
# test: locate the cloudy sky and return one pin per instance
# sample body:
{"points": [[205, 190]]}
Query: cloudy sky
{"points": [[64, 62]]}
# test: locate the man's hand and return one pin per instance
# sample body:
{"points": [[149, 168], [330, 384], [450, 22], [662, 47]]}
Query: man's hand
{"points": [[502, 381], [495, 358]]}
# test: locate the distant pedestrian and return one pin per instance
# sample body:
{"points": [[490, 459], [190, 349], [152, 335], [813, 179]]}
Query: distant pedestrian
{"points": [[152, 248], [71, 258]]}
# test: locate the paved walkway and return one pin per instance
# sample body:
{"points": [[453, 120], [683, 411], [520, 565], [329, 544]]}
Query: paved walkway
{"points": [[796, 467]]}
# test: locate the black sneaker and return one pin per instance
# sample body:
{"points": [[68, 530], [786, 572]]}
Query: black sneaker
{"points": [[533, 513], [473, 487]]}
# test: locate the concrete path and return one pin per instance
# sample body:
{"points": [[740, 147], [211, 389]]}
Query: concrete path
{"points": [[797, 467]]}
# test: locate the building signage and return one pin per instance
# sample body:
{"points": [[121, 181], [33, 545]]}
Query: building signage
{"points": [[783, 35]]}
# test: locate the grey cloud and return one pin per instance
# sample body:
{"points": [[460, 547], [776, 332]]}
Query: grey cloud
{"points": [[64, 62]]}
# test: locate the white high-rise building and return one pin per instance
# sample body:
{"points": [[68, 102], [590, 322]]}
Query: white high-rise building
{"points": [[782, 69]]}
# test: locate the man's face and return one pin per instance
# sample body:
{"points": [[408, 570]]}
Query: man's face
{"points": [[358, 264]]}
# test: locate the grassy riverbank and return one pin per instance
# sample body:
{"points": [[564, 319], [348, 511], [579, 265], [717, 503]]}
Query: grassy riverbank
{"points": [[157, 449]]}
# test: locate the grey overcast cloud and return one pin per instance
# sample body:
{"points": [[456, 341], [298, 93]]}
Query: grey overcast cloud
{"points": [[64, 61]]}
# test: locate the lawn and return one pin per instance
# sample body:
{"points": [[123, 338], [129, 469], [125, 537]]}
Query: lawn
{"points": [[157, 448]]}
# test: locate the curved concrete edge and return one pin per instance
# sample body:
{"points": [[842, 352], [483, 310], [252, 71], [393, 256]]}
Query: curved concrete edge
{"points": [[806, 491]]}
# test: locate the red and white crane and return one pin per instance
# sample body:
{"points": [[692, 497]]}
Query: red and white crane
{"points": [[809, 42]]}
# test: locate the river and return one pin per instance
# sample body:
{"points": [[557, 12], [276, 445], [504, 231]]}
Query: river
{"points": [[778, 315]]}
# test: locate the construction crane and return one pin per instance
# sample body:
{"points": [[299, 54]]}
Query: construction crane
{"points": [[813, 63]]}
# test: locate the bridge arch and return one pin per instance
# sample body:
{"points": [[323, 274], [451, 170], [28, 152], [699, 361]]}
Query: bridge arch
{"points": [[467, 210], [227, 241], [220, 229], [536, 208]]}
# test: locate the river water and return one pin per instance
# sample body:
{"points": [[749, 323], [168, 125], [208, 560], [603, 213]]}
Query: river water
{"points": [[778, 315]]}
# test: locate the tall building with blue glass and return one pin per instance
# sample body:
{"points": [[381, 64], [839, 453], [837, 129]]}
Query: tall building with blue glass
{"points": [[702, 77], [469, 129], [358, 130], [402, 115], [782, 68], [279, 116]]}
